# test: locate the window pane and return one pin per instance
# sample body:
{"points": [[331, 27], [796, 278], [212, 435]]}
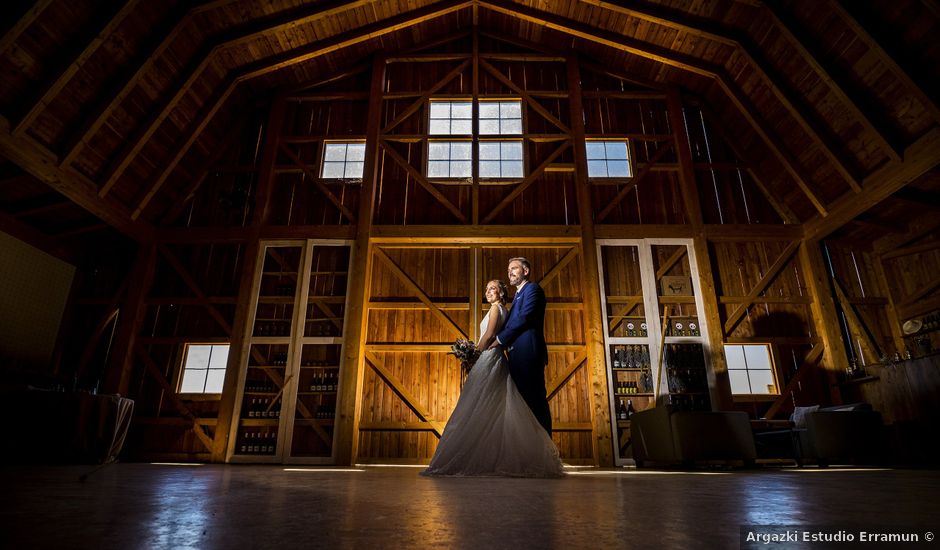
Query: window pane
{"points": [[461, 169], [512, 169], [489, 150], [438, 150], [197, 357], [489, 169], [214, 381], [489, 109], [618, 169], [335, 151], [356, 152], [616, 150], [219, 357], [512, 126], [735, 356], [510, 109], [461, 150], [193, 381], [461, 127], [597, 168], [437, 169], [595, 149], [739, 381], [332, 170], [758, 357], [489, 126], [512, 150], [440, 109], [439, 126], [354, 170], [762, 381], [462, 109]]}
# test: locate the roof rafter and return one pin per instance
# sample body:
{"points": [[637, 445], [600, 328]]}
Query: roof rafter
{"points": [[23, 23], [93, 39], [670, 58], [704, 29]]}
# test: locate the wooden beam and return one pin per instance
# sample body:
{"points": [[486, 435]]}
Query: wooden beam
{"points": [[764, 282], [315, 179], [42, 164], [421, 295], [891, 246], [410, 400], [805, 46], [532, 102], [101, 27], [33, 237], [594, 337], [457, 71], [808, 365], [193, 286], [423, 181], [556, 269], [525, 183], [721, 390], [553, 387], [133, 311], [878, 50], [170, 393], [690, 197], [23, 23], [920, 157], [855, 318], [165, 35], [912, 249], [824, 315]]}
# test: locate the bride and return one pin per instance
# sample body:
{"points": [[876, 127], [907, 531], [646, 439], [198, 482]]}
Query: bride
{"points": [[492, 431]]}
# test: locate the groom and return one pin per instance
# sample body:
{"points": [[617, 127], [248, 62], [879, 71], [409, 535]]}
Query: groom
{"points": [[523, 337]]}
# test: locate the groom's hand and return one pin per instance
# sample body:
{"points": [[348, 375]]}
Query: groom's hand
{"points": [[493, 344]]}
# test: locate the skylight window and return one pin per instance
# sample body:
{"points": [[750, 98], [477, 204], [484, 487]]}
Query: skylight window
{"points": [[608, 159], [343, 160]]}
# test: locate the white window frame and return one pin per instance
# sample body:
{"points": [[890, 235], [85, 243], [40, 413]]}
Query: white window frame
{"points": [[500, 161], [437, 104], [449, 159], [607, 159], [505, 124], [346, 162], [772, 370], [185, 367]]}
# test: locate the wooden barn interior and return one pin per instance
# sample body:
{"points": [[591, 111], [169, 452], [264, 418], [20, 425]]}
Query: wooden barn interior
{"points": [[236, 231]]}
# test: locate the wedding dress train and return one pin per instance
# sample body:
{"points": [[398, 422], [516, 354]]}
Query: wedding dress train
{"points": [[492, 432]]}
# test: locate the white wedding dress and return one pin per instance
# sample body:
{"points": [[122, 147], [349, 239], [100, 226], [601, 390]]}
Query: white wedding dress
{"points": [[492, 432]]}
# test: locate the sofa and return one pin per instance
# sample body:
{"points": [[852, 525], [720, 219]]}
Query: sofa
{"points": [[665, 435], [851, 433]]}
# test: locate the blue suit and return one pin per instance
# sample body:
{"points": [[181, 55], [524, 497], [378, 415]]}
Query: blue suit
{"points": [[523, 337]]}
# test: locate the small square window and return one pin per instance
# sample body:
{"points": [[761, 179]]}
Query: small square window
{"points": [[450, 118], [343, 160], [501, 159], [608, 159], [750, 369], [501, 117], [450, 159], [203, 368]]}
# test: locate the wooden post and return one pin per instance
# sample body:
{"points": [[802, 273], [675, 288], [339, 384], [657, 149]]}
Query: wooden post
{"points": [[130, 319], [721, 395], [241, 329], [897, 337], [824, 314], [590, 278], [360, 274], [690, 198]]}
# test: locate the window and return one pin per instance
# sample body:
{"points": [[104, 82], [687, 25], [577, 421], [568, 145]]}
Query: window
{"points": [[450, 159], [204, 368], [500, 118], [750, 369], [451, 118], [343, 160], [501, 159], [453, 159], [608, 159]]}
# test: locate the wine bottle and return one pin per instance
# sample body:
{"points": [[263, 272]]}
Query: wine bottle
{"points": [[630, 409], [621, 410]]}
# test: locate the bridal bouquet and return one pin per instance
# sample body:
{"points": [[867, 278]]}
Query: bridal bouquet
{"points": [[467, 352]]}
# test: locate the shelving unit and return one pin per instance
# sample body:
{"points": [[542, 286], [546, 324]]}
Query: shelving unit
{"points": [[641, 280], [289, 382]]}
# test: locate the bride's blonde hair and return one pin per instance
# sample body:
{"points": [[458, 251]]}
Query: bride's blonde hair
{"points": [[502, 289]]}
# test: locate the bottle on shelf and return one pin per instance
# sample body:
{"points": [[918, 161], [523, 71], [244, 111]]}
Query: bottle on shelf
{"points": [[621, 410], [630, 409]]}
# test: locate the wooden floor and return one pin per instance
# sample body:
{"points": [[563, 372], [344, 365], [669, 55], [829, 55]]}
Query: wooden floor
{"points": [[230, 506]]}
